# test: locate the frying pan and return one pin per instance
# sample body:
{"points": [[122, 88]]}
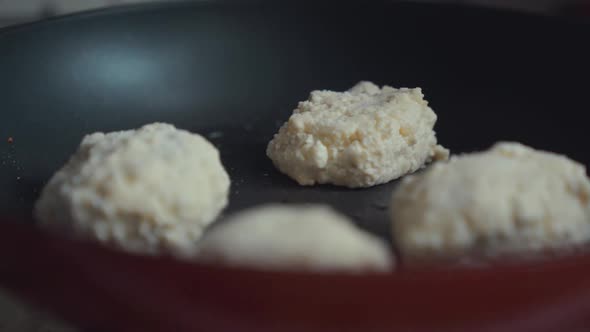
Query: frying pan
{"points": [[233, 72]]}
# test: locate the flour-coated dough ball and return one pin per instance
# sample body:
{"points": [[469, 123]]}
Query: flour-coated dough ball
{"points": [[151, 190], [506, 201], [358, 138], [306, 237]]}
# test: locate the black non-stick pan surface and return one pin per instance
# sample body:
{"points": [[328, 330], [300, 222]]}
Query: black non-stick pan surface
{"points": [[234, 73]]}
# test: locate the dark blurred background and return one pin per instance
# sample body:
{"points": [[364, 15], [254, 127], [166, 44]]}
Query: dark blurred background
{"points": [[18, 11]]}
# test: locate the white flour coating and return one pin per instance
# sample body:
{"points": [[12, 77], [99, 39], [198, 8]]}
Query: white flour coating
{"points": [[308, 237], [358, 138], [150, 190], [509, 199]]}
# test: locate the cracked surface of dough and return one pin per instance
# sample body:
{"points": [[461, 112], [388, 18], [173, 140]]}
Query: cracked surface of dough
{"points": [[358, 138], [150, 190], [309, 237], [509, 199]]}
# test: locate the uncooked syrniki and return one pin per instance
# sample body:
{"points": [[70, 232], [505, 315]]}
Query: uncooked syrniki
{"points": [[292, 237], [508, 200], [358, 138], [152, 190]]}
